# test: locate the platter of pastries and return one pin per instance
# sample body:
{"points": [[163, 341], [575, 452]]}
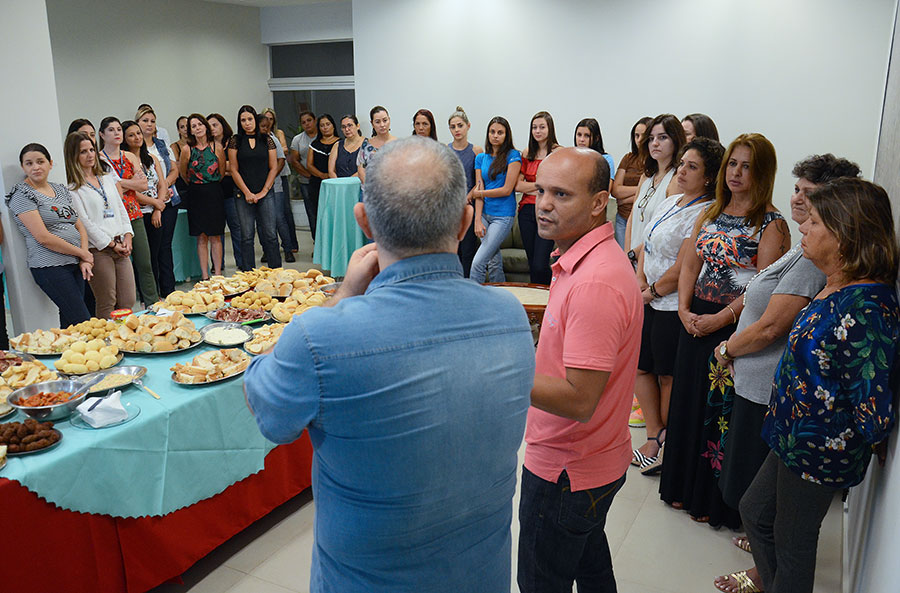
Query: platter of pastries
{"points": [[192, 302], [264, 338], [42, 342], [151, 334], [296, 304], [93, 328], [21, 375], [81, 358], [220, 284], [211, 367], [253, 300]]}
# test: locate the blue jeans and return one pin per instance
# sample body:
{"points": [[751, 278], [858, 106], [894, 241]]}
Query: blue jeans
{"points": [[284, 222], [261, 215], [621, 223], [234, 225], [562, 538], [65, 287], [487, 260]]}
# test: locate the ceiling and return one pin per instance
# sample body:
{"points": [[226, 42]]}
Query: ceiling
{"points": [[261, 3]]}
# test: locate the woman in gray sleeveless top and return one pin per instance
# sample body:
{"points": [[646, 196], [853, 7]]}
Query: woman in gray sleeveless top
{"points": [[466, 151]]}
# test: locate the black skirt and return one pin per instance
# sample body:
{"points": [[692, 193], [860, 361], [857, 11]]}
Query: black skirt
{"points": [[745, 452], [206, 209], [688, 477]]}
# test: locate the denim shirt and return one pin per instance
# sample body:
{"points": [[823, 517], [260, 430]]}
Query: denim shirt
{"points": [[164, 153], [415, 397]]}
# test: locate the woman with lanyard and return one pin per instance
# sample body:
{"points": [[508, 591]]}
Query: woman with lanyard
{"points": [[160, 239], [97, 199], [660, 147], [466, 152], [657, 273], [132, 180], [541, 142]]}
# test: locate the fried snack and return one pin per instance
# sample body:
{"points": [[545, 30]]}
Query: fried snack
{"points": [[31, 435], [264, 338], [149, 333], [45, 398], [27, 373], [211, 366], [222, 285], [296, 304], [191, 302], [93, 328], [42, 341], [253, 300], [87, 357]]}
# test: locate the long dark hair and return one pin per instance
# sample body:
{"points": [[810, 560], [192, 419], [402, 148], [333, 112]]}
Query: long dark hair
{"points": [[352, 118], [372, 113], [227, 132], [703, 124], [104, 123], [593, 127], [142, 152], [430, 117], [191, 140], [333, 126], [533, 146], [241, 134], [635, 149], [499, 164], [672, 126]]}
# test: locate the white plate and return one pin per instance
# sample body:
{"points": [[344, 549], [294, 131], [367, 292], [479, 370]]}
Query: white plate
{"points": [[132, 408]]}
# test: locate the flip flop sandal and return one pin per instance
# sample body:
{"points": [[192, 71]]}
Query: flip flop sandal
{"points": [[742, 542], [744, 583]]}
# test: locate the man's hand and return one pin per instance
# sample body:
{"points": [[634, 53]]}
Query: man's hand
{"points": [[361, 269]]}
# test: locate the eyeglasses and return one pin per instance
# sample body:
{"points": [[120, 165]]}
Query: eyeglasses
{"points": [[646, 198]]}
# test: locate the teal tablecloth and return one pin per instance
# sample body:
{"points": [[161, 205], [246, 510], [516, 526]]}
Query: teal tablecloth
{"points": [[184, 251], [189, 445], [337, 234]]}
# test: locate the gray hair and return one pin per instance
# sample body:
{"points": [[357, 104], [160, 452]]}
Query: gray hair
{"points": [[415, 195]]}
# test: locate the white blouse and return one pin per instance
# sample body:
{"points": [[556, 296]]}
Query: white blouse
{"points": [[89, 204]]}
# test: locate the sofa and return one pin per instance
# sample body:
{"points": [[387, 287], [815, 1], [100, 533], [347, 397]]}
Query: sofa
{"points": [[515, 262]]}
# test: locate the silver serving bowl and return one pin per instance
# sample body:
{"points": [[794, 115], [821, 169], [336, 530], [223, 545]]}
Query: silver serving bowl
{"points": [[54, 412]]}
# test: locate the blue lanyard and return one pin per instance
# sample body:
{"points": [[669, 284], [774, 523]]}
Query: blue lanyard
{"points": [[670, 214], [100, 191], [119, 166]]}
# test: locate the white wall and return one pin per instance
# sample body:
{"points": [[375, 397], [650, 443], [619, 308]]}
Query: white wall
{"points": [[304, 23], [27, 114], [809, 74], [180, 56]]}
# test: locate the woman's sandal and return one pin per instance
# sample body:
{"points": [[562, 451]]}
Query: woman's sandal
{"points": [[742, 542], [744, 583], [642, 461]]}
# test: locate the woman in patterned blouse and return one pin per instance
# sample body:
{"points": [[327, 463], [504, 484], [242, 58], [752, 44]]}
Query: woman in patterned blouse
{"points": [[831, 401]]}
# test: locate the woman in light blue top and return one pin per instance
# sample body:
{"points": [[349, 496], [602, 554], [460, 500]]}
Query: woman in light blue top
{"points": [[496, 173]]}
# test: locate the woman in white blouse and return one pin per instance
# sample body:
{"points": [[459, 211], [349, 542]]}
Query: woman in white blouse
{"points": [[97, 198]]}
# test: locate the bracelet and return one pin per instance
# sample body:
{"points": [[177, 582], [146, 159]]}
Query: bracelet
{"points": [[733, 316], [655, 294]]}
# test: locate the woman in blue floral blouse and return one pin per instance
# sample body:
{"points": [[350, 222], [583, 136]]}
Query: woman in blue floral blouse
{"points": [[831, 401]]}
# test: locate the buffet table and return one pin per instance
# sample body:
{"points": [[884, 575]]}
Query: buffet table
{"points": [[129, 507], [337, 234]]}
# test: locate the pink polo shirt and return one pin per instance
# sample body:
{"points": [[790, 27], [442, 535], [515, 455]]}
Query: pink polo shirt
{"points": [[593, 321]]}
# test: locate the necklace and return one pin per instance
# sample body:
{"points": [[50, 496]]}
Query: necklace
{"points": [[789, 254]]}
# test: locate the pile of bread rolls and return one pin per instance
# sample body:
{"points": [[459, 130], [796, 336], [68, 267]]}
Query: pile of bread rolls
{"points": [[149, 333]]}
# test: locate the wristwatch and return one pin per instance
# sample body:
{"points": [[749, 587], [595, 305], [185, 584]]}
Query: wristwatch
{"points": [[723, 351]]}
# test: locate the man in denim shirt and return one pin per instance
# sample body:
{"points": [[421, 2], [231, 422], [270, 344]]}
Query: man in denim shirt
{"points": [[414, 385]]}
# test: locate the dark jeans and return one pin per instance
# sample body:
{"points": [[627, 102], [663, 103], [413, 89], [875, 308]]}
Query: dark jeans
{"points": [[782, 514], [311, 204], [4, 338], [234, 225], [467, 248], [284, 220], [160, 240], [537, 249], [562, 538], [262, 216], [65, 287]]}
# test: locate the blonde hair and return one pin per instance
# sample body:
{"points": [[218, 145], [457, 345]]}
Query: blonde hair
{"points": [[71, 149], [274, 129], [763, 165], [143, 111], [460, 113]]}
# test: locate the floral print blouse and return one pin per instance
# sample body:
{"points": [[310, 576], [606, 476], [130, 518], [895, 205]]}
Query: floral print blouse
{"points": [[832, 399], [728, 247], [203, 166]]}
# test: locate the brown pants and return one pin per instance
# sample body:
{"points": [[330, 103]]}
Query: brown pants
{"points": [[113, 282]]}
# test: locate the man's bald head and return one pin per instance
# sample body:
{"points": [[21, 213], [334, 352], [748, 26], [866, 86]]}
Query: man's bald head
{"points": [[572, 193], [415, 195]]}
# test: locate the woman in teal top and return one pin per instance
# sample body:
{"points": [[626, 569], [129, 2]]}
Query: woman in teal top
{"points": [[496, 172], [832, 400]]}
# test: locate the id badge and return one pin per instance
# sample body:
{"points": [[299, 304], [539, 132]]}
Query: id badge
{"points": [[108, 213]]}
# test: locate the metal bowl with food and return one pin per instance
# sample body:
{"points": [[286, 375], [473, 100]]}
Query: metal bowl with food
{"points": [[115, 378], [226, 334], [58, 411]]}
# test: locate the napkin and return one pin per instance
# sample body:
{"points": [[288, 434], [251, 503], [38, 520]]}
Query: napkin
{"points": [[108, 411], [163, 312]]}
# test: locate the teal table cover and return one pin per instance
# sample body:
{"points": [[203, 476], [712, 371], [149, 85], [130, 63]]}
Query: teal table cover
{"points": [[184, 251], [337, 234], [189, 445]]}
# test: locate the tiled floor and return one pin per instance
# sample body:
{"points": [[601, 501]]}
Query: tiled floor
{"points": [[655, 549]]}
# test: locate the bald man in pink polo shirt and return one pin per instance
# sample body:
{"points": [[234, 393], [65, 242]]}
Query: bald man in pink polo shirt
{"points": [[578, 446]]}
